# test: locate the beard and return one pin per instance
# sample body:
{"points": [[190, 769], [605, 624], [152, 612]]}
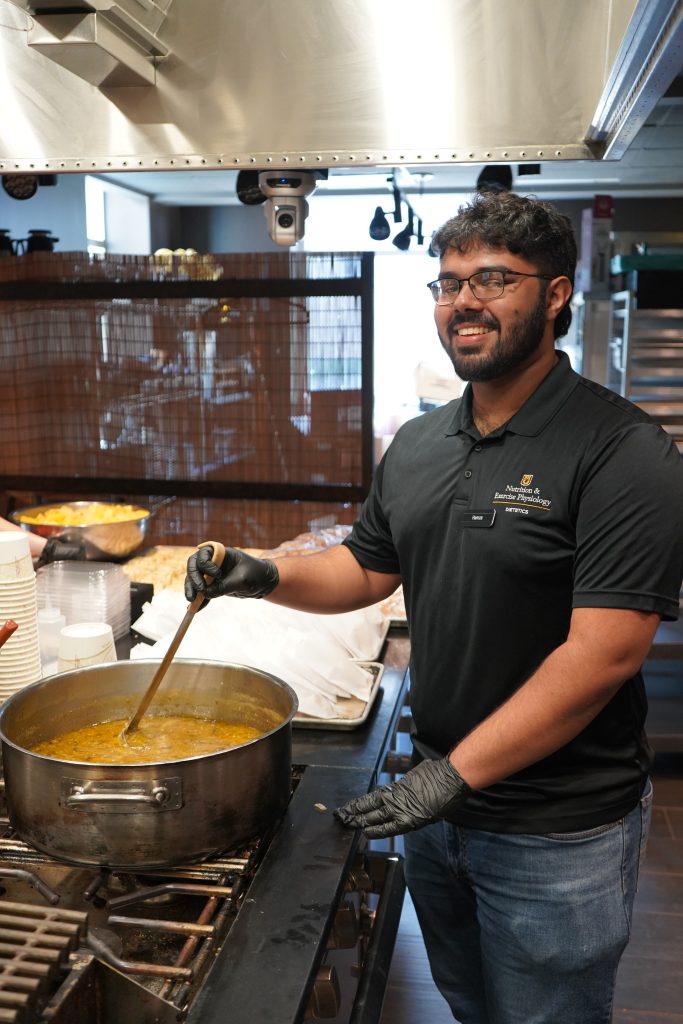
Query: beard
{"points": [[510, 350]]}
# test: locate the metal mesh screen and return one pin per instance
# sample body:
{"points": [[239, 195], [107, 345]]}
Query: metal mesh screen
{"points": [[237, 380]]}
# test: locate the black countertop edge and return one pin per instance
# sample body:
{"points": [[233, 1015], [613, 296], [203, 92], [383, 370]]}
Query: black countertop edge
{"points": [[263, 973]]}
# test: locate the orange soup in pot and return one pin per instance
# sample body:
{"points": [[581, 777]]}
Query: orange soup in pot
{"points": [[157, 738]]}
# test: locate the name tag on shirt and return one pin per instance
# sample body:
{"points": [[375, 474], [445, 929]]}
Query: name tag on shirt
{"points": [[480, 519]]}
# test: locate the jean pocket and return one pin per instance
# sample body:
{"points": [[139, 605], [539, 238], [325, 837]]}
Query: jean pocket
{"points": [[645, 819], [647, 797], [588, 833]]}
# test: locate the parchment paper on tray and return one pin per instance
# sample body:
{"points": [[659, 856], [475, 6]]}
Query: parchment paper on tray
{"points": [[360, 633], [350, 712], [313, 653], [394, 607]]}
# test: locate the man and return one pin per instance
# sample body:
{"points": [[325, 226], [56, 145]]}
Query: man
{"points": [[535, 525]]}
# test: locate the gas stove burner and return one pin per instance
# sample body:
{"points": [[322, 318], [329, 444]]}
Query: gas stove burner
{"points": [[20, 875], [177, 944], [151, 936], [167, 893], [105, 937]]}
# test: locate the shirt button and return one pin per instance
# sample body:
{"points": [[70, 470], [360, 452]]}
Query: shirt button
{"points": [[477, 447], [467, 474]]}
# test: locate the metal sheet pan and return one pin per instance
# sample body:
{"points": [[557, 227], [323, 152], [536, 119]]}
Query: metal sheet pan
{"points": [[353, 712]]}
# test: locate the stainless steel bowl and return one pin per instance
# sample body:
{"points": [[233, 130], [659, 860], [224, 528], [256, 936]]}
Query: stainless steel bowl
{"points": [[105, 540]]}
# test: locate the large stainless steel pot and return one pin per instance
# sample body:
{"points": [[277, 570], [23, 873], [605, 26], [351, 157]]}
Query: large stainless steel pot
{"points": [[150, 815]]}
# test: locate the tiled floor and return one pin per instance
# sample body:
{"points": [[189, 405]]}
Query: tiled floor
{"points": [[650, 981]]}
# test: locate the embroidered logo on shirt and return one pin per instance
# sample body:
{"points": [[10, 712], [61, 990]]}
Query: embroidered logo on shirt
{"points": [[522, 497]]}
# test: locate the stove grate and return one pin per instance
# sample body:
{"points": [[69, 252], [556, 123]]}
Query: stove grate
{"points": [[147, 939], [35, 943]]}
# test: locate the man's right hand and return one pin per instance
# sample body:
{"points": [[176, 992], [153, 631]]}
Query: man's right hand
{"points": [[240, 575]]}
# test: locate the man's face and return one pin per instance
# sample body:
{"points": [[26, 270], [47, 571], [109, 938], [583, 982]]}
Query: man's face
{"points": [[489, 338]]}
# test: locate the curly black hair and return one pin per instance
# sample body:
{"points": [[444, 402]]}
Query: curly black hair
{"points": [[523, 225]]}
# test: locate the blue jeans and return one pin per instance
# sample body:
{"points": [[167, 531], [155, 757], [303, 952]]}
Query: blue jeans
{"points": [[527, 929]]}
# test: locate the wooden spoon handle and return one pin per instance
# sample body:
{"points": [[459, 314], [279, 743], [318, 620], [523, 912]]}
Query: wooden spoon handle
{"points": [[217, 559], [194, 606]]}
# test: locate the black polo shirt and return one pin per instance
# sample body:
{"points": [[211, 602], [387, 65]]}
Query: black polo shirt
{"points": [[577, 502]]}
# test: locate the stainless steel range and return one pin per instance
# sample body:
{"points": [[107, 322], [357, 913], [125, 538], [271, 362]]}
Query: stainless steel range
{"points": [[63, 928], [81, 946], [299, 924]]}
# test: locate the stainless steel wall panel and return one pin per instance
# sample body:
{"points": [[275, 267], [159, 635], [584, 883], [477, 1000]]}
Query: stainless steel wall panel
{"points": [[258, 83]]}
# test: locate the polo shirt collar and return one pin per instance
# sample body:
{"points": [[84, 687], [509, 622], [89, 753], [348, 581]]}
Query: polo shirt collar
{"points": [[537, 411]]}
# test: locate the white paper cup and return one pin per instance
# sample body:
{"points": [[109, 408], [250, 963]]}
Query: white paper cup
{"points": [[18, 654], [22, 677], [15, 555], [18, 605], [26, 620], [85, 643], [19, 590]]}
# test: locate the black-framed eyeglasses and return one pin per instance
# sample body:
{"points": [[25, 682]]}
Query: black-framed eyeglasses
{"points": [[485, 284]]}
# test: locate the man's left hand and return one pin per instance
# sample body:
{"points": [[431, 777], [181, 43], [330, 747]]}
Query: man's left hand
{"points": [[418, 799]]}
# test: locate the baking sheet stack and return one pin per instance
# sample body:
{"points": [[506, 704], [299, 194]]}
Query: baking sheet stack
{"points": [[20, 654]]}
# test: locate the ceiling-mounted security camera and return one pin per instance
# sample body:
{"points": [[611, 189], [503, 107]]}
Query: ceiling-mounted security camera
{"points": [[286, 208]]}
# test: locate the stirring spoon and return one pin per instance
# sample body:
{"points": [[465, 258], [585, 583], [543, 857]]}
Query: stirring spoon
{"points": [[192, 608]]}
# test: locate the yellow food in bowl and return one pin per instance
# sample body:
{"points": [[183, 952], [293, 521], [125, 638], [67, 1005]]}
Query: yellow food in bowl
{"points": [[95, 514]]}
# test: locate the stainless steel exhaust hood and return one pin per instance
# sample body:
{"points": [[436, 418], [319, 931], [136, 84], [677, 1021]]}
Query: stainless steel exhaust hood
{"points": [[343, 83]]}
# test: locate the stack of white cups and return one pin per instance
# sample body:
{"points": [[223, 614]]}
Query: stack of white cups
{"points": [[20, 655]]}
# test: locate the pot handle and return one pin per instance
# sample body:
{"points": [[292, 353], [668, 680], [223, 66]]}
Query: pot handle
{"points": [[121, 796]]}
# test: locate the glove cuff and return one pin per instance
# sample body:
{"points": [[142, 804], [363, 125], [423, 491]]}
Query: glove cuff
{"points": [[268, 579], [462, 790], [271, 580], [56, 550], [456, 776]]}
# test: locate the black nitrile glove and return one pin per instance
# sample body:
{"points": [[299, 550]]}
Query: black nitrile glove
{"points": [[418, 799], [240, 575], [57, 550]]}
